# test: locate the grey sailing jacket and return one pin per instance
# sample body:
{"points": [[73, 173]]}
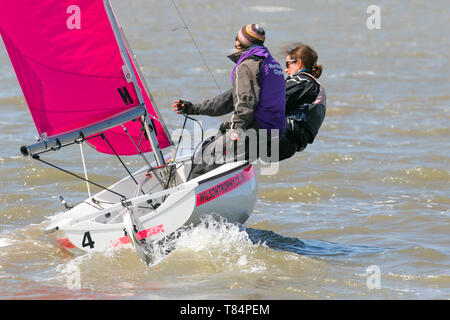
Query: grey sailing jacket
{"points": [[242, 98]]}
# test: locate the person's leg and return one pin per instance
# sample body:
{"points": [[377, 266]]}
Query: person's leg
{"points": [[224, 150], [208, 158], [288, 146]]}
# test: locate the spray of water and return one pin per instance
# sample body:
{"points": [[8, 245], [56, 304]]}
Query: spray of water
{"points": [[211, 237]]}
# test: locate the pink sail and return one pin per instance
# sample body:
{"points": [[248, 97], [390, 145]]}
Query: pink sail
{"points": [[69, 67]]}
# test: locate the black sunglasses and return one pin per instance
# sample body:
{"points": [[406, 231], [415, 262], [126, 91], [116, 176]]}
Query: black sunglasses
{"points": [[288, 62]]}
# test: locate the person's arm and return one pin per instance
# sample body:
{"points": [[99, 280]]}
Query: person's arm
{"points": [[245, 93], [295, 94], [215, 107], [294, 87]]}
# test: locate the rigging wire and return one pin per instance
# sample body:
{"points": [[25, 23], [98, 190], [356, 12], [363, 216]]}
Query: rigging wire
{"points": [[85, 171], [36, 157], [176, 151], [209, 70], [123, 164], [195, 43], [141, 154], [207, 66]]}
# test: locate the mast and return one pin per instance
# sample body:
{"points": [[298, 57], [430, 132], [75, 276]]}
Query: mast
{"points": [[148, 126], [145, 86]]}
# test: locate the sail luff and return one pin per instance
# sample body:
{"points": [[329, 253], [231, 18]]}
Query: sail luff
{"points": [[126, 58], [123, 52], [145, 86]]}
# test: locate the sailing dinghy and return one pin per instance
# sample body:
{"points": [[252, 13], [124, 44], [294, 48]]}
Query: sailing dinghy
{"points": [[83, 85]]}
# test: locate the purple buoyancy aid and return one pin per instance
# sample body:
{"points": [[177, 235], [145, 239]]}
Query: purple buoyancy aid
{"points": [[270, 111]]}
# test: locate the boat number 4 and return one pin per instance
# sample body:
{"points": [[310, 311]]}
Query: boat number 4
{"points": [[87, 240]]}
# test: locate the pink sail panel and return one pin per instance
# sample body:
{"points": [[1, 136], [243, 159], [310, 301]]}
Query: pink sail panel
{"points": [[69, 66], [134, 128]]}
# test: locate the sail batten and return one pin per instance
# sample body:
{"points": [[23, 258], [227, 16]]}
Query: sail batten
{"points": [[70, 69]]}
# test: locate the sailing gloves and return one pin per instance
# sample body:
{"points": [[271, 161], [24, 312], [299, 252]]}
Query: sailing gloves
{"points": [[225, 126], [181, 106], [185, 107]]}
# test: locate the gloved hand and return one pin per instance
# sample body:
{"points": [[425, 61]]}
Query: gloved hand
{"points": [[224, 127], [179, 106]]}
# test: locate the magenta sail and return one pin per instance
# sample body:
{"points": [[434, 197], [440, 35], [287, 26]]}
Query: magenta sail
{"points": [[71, 72]]}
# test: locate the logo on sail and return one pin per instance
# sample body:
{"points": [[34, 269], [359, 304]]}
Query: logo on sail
{"points": [[126, 97]]}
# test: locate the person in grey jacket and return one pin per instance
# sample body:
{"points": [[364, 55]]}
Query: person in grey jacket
{"points": [[257, 96]]}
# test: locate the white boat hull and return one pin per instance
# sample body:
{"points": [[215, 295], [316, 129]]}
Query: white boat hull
{"points": [[228, 192]]}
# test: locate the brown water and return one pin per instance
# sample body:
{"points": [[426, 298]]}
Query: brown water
{"points": [[373, 190]]}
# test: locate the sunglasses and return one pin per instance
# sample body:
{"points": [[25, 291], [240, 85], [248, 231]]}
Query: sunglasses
{"points": [[288, 62]]}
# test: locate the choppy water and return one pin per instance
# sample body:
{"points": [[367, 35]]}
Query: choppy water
{"points": [[373, 190]]}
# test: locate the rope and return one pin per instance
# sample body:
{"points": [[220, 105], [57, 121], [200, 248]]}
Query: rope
{"points": [[195, 43]]}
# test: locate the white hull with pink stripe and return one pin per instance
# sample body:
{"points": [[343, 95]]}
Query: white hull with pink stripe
{"points": [[97, 224]]}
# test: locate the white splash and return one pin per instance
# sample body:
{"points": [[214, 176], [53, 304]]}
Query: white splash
{"points": [[218, 238], [70, 273], [55, 215], [5, 242], [242, 260], [213, 234]]}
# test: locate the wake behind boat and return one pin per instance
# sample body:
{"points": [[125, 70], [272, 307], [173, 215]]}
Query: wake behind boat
{"points": [[83, 85]]}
